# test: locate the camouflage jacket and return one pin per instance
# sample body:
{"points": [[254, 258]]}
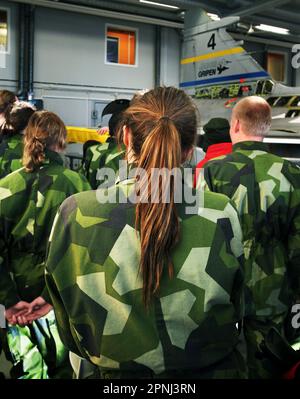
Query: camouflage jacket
{"points": [[190, 326], [28, 204], [106, 155], [11, 152], [266, 191]]}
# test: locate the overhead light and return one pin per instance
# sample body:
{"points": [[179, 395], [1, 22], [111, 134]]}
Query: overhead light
{"points": [[273, 29], [214, 17], [153, 3]]}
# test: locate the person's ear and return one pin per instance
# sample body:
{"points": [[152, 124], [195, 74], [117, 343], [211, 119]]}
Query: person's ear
{"points": [[126, 136], [234, 127], [237, 126]]}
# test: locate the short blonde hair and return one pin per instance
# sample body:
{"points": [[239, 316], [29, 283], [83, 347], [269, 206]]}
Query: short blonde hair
{"points": [[255, 115]]}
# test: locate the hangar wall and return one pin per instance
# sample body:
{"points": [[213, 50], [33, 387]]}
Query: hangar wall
{"points": [[297, 77], [170, 57], [70, 73], [259, 52], [70, 49]]}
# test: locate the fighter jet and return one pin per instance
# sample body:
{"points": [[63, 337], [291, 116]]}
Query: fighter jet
{"points": [[217, 71]]}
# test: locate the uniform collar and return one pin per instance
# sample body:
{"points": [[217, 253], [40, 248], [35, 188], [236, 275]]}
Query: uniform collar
{"points": [[125, 178], [52, 156], [13, 135], [251, 146], [111, 139]]}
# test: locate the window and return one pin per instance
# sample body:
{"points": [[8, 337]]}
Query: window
{"points": [[112, 49], [276, 66], [268, 87], [292, 113], [120, 46], [296, 102], [272, 100], [283, 101], [3, 30], [259, 87]]}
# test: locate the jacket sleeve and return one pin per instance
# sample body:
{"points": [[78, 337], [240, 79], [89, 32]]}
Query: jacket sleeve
{"points": [[8, 291], [65, 330], [58, 242], [82, 184], [290, 222], [293, 244], [236, 244], [86, 185]]}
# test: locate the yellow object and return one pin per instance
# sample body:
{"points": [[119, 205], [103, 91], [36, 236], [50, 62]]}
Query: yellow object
{"points": [[221, 53], [82, 134]]}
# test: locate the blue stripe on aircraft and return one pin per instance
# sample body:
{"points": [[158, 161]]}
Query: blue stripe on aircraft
{"points": [[220, 79]]}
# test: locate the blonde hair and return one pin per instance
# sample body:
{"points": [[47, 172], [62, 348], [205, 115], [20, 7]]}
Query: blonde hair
{"points": [[45, 130], [255, 115]]}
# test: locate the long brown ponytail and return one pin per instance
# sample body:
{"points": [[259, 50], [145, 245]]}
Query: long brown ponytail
{"points": [[45, 130], [163, 126]]}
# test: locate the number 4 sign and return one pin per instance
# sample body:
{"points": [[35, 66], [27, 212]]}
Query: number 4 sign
{"points": [[212, 41]]}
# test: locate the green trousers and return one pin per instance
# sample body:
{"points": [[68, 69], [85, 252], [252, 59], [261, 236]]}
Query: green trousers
{"points": [[37, 350]]}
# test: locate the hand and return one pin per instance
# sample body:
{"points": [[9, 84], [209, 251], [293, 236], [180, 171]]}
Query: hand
{"points": [[103, 131], [15, 314], [37, 308]]}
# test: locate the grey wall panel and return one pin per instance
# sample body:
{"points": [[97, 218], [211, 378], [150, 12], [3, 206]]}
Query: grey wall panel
{"points": [[170, 57], [298, 77], [72, 111], [75, 106], [70, 48], [296, 72]]}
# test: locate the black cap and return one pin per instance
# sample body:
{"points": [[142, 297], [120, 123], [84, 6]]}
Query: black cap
{"points": [[115, 108], [216, 131]]}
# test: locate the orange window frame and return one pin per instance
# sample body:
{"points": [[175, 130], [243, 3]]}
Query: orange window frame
{"points": [[127, 45]]}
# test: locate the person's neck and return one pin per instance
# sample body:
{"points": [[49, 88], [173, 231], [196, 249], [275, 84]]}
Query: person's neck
{"points": [[245, 137], [131, 158]]}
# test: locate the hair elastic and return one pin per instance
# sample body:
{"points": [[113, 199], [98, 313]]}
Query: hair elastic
{"points": [[164, 118]]}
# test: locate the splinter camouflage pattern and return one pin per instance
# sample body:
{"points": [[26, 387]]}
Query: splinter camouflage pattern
{"points": [[39, 350], [266, 191], [106, 155], [11, 152], [190, 329], [28, 204]]}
